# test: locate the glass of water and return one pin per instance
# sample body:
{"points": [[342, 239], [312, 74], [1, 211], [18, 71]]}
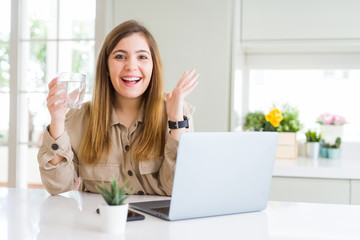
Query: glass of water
{"points": [[75, 88]]}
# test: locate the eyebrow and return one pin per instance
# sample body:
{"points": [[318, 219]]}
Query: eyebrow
{"points": [[139, 51]]}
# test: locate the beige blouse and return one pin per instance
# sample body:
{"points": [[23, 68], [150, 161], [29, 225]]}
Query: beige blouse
{"points": [[145, 177]]}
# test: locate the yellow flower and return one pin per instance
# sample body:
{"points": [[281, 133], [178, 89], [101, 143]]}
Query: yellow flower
{"points": [[274, 117]]}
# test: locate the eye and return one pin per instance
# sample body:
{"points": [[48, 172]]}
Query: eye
{"points": [[143, 57], [119, 56]]}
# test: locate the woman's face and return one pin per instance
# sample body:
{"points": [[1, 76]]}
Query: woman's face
{"points": [[130, 66]]}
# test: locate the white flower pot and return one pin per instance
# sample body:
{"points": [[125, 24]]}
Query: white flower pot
{"points": [[331, 132], [113, 218], [312, 150]]}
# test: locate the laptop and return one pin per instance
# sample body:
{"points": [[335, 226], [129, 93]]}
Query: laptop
{"points": [[218, 173]]}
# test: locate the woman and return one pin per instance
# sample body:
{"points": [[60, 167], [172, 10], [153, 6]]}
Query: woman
{"points": [[128, 131]]}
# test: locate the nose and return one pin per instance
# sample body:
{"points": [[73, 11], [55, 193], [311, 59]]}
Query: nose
{"points": [[131, 64]]}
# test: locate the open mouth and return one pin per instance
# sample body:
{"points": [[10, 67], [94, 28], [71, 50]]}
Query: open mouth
{"points": [[131, 80]]}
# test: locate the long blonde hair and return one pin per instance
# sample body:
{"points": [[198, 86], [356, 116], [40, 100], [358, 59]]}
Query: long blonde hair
{"points": [[96, 144]]}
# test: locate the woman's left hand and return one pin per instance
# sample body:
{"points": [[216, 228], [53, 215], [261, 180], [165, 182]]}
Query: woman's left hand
{"points": [[175, 99]]}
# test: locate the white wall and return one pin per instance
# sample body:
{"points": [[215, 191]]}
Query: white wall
{"points": [[301, 19], [273, 33], [301, 26], [191, 34]]}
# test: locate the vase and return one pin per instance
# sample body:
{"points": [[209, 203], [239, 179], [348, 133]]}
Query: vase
{"points": [[331, 132], [113, 218], [334, 153], [312, 149], [324, 152]]}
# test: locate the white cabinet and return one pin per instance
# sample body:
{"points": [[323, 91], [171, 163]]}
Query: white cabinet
{"points": [[355, 192], [315, 190], [320, 181], [300, 19]]}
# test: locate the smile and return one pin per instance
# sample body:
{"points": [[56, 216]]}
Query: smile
{"points": [[129, 81]]}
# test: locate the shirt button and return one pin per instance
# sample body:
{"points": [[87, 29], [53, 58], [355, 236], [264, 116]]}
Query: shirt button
{"points": [[130, 173], [54, 146], [141, 193], [127, 147]]}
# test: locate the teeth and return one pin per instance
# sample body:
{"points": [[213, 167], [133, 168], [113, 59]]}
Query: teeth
{"points": [[131, 79]]}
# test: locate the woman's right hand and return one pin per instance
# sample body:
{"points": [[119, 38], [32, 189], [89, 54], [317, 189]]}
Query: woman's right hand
{"points": [[56, 104]]}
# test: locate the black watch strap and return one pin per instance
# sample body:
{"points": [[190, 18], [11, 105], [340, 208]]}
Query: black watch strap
{"points": [[179, 124]]}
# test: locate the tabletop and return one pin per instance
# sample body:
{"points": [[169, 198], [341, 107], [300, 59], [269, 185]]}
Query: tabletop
{"points": [[34, 214], [345, 168]]}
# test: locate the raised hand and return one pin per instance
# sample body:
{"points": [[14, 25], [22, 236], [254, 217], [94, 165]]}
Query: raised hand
{"points": [[175, 99]]}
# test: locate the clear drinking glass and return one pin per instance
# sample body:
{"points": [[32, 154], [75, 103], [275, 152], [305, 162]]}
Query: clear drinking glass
{"points": [[75, 88]]}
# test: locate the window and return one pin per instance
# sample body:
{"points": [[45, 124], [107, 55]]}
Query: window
{"points": [[55, 36], [313, 92], [4, 88], [314, 82]]}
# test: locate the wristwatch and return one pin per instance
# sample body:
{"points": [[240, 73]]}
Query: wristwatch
{"points": [[179, 124]]}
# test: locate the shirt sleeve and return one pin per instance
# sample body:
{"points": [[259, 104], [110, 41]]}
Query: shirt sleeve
{"points": [[167, 169], [63, 176]]}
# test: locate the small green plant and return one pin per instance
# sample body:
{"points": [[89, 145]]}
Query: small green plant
{"points": [[337, 144], [254, 121], [312, 136], [115, 195]]}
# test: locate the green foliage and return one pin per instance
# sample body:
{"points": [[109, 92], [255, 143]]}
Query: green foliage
{"points": [[269, 128], [115, 195], [312, 136], [4, 65], [39, 49], [255, 121], [291, 122], [337, 143]]}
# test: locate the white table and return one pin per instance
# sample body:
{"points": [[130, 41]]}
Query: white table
{"points": [[33, 214]]}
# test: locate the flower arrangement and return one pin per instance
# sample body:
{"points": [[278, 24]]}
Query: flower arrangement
{"points": [[273, 119], [284, 120], [331, 119], [291, 122]]}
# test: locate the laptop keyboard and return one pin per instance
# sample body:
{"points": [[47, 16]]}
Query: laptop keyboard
{"points": [[163, 210]]}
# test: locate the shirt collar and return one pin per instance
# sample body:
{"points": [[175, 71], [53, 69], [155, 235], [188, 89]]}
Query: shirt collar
{"points": [[139, 117]]}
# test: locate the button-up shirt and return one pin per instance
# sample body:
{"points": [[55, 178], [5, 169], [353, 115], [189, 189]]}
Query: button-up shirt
{"points": [[153, 176]]}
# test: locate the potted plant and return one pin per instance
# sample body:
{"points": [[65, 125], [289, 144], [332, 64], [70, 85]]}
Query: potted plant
{"points": [[114, 212], [285, 121], [288, 126], [331, 126], [332, 151], [312, 144]]}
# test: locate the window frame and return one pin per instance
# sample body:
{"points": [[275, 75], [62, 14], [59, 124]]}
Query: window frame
{"points": [[281, 61], [17, 167], [255, 59]]}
